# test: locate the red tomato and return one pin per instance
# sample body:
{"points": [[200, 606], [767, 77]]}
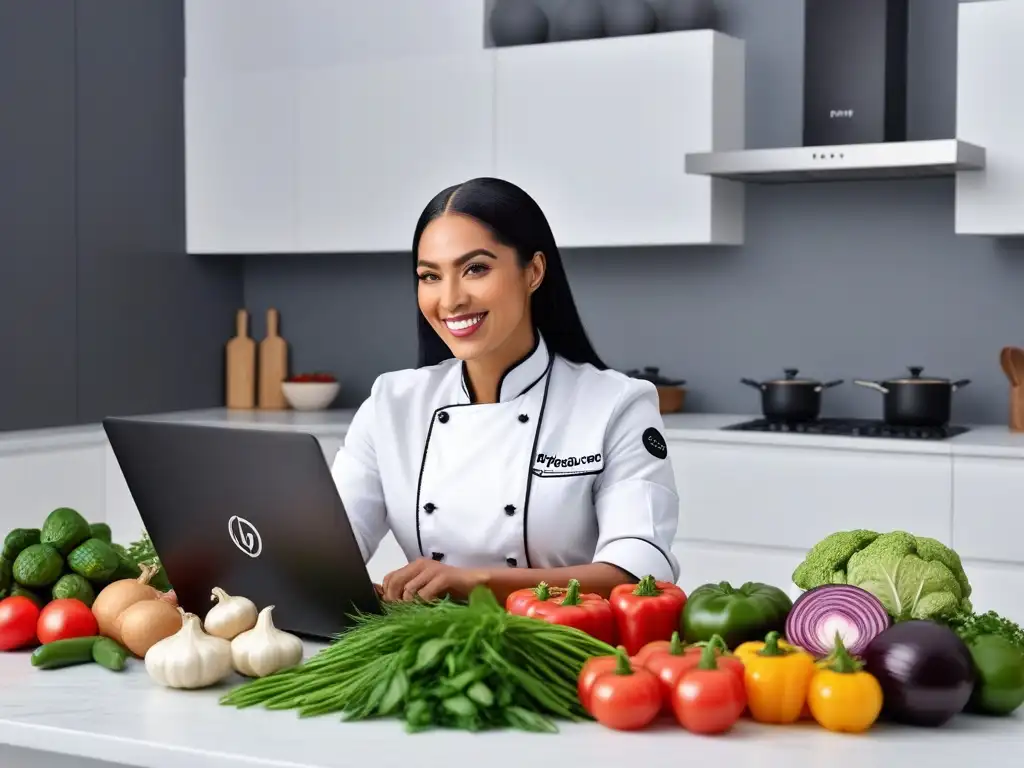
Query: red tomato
{"points": [[592, 670], [18, 616], [65, 618], [625, 698], [709, 701], [655, 646]]}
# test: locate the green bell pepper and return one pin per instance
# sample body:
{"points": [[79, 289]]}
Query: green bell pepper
{"points": [[737, 614], [999, 664]]}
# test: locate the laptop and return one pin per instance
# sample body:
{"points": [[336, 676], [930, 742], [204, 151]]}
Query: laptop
{"points": [[254, 512]]}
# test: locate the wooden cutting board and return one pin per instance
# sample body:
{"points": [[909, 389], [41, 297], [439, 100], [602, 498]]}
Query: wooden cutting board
{"points": [[240, 365], [273, 367]]}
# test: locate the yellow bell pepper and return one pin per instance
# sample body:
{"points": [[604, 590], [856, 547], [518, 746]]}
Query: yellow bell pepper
{"points": [[843, 697], [776, 679]]}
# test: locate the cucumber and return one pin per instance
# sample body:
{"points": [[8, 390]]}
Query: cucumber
{"points": [[38, 565], [94, 559], [6, 574], [110, 654], [64, 653], [100, 531], [64, 529], [74, 586], [19, 539]]}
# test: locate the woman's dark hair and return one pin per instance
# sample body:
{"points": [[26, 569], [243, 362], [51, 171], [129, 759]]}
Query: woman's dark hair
{"points": [[516, 221]]}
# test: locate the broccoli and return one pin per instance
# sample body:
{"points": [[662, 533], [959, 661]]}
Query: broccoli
{"points": [[914, 577]]}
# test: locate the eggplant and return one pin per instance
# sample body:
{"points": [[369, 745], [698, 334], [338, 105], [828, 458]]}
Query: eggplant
{"points": [[925, 670]]}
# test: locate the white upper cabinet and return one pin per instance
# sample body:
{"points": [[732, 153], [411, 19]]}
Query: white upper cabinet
{"points": [[377, 141], [258, 35], [341, 157], [990, 113], [240, 163], [597, 131]]}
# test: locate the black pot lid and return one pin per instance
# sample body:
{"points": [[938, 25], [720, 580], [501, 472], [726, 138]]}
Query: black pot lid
{"points": [[791, 378], [652, 374], [916, 378]]}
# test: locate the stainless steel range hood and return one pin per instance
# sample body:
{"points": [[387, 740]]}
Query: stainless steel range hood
{"points": [[903, 159]]}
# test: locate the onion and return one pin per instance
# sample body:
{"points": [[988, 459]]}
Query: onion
{"points": [[818, 614], [116, 597], [145, 623]]}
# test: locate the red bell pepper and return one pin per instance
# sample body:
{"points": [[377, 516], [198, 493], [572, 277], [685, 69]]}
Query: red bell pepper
{"points": [[646, 612], [587, 612]]}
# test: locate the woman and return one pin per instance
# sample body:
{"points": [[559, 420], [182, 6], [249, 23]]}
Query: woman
{"points": [[511, 455]]}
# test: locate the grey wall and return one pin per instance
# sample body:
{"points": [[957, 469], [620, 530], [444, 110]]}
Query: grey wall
{"points": [[101, 311], [848, 280]]}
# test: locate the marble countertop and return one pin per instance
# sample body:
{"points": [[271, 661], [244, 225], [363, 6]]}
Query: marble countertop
{"points": [[987, 440], [125, 718]]}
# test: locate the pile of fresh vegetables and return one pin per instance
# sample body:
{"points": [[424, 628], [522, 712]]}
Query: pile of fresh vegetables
{"points": [[70, 558], [883, 629], [473, 666], [51, 578]]}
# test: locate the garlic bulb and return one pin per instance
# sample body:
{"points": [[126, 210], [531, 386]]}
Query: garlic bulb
{"points": [[231, 615], [265, 649], [190, 658]]}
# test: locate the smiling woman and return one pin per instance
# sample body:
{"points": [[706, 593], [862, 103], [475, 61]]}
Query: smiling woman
{"points": [[511, 455]]}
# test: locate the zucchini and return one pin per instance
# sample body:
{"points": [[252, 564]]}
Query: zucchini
{"points": [[64, 653]]}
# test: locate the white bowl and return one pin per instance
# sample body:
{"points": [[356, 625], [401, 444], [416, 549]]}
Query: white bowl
{"points": [[310, 395]]}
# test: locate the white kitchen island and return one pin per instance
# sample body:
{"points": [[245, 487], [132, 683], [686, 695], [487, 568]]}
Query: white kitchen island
{"points": [[89, 717]]}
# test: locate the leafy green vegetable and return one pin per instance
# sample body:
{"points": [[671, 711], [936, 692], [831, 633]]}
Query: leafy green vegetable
{"points": [[915, 577], [142, 552], [971, 626], [439, 664]]}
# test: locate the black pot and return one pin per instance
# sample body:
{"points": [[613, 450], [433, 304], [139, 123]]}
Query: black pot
{"points": [[653, 375], [915, 401], [791, 399]]}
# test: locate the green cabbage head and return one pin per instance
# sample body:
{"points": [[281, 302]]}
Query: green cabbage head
{"points": [[915, 577]]}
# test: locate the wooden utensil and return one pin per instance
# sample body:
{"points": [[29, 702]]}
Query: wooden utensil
{"points": [[240, 366], [1012, 361], [273, 366]]}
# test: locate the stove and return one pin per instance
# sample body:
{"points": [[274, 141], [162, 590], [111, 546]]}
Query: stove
{"points": [[850, 428]]}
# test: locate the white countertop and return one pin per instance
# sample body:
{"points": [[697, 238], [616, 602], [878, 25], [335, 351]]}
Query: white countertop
{"points": [[125, 718], [985, 440]]}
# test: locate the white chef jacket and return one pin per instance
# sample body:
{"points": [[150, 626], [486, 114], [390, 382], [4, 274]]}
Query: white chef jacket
{"points": [[570, 466]]}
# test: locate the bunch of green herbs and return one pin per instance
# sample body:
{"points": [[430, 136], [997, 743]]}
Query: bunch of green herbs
{"points": [[439, 664], [970, 626]]}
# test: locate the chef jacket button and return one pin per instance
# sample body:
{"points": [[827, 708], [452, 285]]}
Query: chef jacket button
{"points": [[429, 507], [511, 562], [439, 556], [443, 417], [510, 510], [523, 418]]}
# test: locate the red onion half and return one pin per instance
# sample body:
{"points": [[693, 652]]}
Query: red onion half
{"points": [[818, 614]]}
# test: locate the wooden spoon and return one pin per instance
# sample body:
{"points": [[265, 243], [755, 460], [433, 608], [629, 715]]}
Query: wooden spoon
{"points": [[1012, 361]]}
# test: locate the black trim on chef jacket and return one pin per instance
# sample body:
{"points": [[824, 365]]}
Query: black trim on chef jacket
{"points": [[661, 551], [467, 385], [440, 415]]}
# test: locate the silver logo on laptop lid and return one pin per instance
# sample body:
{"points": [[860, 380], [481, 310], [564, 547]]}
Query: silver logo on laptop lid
{"points": [[245, 536]]}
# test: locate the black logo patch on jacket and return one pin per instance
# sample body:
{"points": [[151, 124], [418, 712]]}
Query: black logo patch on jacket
{"points": [[551, 465], [655, 443]]}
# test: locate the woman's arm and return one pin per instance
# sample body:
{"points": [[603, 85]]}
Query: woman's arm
{"points": [[635, 497], [358, 481]]}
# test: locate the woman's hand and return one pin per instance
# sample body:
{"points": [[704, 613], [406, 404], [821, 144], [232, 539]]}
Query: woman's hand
{"points": [[430, 579]]}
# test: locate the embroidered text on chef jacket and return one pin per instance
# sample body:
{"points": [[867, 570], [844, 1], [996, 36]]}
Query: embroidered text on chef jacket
{"points": [[568, 467]]}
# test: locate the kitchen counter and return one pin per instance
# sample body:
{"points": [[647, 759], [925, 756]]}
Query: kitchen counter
{"points": [[126, 719], [987, 440]]}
